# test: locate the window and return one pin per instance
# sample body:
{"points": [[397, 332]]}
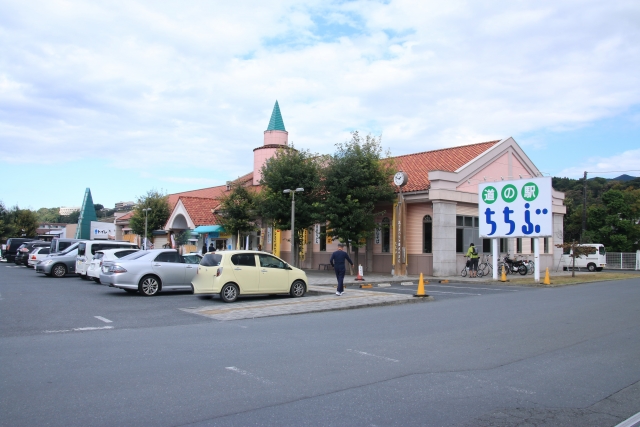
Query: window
{"points": [[386, 235], [467, 232], [81, 249], [323, 238], [427, 234], [546, 245], [519, 245], [44, 251], [248, 260], [504, 245], [120, 254], [268, 261], [191, 259], [486, 245], [170, 256], [211, 260]]}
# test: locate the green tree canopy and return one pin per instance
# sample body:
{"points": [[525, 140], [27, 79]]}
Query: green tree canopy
{"points": [[48, 214], [238, 210], [157, 216], [18, 222], [357, 178], [291, 169]]}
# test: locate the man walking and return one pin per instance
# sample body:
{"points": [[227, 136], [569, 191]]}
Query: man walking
{"points": [[337, 262]]}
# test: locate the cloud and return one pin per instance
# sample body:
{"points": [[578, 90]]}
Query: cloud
{"points": [[627, 162], [168, 84]]}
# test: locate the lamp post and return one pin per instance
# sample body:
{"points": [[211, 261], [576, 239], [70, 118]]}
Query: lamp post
{"points": [[293, 220], [146, 213]]}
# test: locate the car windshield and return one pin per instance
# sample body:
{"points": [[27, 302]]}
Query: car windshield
{"points": [[98, 255], [69, 249], [211, 260]]}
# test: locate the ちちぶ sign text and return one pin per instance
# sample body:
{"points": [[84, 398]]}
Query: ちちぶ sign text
{"points": [[519, 208]]}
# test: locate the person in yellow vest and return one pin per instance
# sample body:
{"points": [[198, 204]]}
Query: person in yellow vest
{"points": [[472, 253]]}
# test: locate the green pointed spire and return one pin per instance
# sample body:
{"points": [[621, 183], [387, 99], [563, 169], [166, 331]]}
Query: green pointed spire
{"points": [[276, 122], [87, 214]]}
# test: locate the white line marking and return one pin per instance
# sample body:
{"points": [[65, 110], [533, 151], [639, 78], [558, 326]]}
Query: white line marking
{"points": [[406, 283], [384, 285], [631, 422], [103, 319], [372, 355], [247, 374], [473, 287], [78, 330], [454, 293]]}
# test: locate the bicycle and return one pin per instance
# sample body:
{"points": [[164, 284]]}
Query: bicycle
{"points": [[485, 267]]}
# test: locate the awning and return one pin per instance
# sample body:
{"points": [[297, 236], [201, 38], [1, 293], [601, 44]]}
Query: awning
{"points": [[208, 229]]}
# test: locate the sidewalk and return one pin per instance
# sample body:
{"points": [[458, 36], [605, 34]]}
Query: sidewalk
{"points": [[328, 278]]}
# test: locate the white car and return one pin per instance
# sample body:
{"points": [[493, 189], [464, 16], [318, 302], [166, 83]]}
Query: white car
{"points": [[37, 255], [93, 271]]}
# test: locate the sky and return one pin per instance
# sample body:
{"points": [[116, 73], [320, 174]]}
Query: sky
{"points": [[128, 96]]}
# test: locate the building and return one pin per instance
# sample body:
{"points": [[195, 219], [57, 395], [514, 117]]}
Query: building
{"points": [[124, 206], [441, 199], [68, 211]]}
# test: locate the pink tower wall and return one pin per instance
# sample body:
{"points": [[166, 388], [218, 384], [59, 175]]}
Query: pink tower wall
{"points": [[261, 154]]}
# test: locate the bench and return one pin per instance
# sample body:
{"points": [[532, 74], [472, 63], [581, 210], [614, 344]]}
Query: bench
{"points": [[326, 266]]}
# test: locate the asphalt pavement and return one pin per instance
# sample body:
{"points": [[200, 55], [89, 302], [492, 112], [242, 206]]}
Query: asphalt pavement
{"points": [[79, 354]]}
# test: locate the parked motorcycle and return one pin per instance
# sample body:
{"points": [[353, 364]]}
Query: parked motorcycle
{"points": [[513, 266]]}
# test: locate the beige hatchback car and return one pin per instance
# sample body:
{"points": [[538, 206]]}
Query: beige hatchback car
{"points": [[234, 273]]}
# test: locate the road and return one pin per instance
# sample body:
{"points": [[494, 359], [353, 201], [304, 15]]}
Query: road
{"points": [[78, 354]]}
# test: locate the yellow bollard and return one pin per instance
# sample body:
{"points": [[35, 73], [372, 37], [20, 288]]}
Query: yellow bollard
{"points": [[547, 279], [503, 278], [420, 291]]}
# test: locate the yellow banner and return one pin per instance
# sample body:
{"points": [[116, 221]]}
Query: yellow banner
{"points": [[329, 240], [276, 243], [303, 247]]}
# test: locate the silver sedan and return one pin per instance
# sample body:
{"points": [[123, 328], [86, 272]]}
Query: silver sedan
{"points": [[150, 272]]}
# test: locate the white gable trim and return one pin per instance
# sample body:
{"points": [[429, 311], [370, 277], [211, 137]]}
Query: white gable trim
{"points": [[179, 210]]}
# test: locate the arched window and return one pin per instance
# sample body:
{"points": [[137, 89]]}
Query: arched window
{"points": [[386, 235], [427, 234]]}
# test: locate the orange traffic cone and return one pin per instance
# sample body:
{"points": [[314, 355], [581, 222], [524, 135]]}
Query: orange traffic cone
{"points": [[420, 291], [503, 277], [547, 279], [359, 276]]}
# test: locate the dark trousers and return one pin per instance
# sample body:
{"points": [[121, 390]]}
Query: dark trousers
{"points": [[340, 277]]}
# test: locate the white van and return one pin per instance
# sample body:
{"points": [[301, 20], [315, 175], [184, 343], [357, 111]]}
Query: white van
{"points": [[88, 248], [592, 262], [59, 245]]}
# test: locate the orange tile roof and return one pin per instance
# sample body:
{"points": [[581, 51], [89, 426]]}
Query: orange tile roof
{"points": [[199, 209], [418, 165], [209, 192], [128, 215]]}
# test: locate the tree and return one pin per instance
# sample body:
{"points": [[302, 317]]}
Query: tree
{"points": [[72, 218], [4, 223], [356, 179], [291, 169], [577, 251], [238, 210], [48, 214], [156, 218], [182, 238], [20, 222]]}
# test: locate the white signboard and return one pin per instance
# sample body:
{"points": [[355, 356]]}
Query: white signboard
{"points": [[103, 230], [317, 234], [519, 208]]}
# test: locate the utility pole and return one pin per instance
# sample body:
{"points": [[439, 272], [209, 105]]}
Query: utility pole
{"points": [[584, 208]]}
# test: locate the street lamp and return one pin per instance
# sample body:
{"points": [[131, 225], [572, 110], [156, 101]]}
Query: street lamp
{"points": [[146, 213], [293, 220]]}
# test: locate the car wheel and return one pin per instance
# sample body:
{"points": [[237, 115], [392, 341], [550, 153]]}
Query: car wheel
{"points": [[591, 267], [298, 289], [229, 292], [149, 286], [522, 270], [95, 279], [131, 291], [59, 270]]}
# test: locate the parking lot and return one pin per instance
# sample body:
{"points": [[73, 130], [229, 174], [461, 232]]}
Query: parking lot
{"points": [[45, 302]]}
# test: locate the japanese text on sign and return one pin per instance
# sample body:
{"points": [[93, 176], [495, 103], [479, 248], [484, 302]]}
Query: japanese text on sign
{"points": [[520, 208]]}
